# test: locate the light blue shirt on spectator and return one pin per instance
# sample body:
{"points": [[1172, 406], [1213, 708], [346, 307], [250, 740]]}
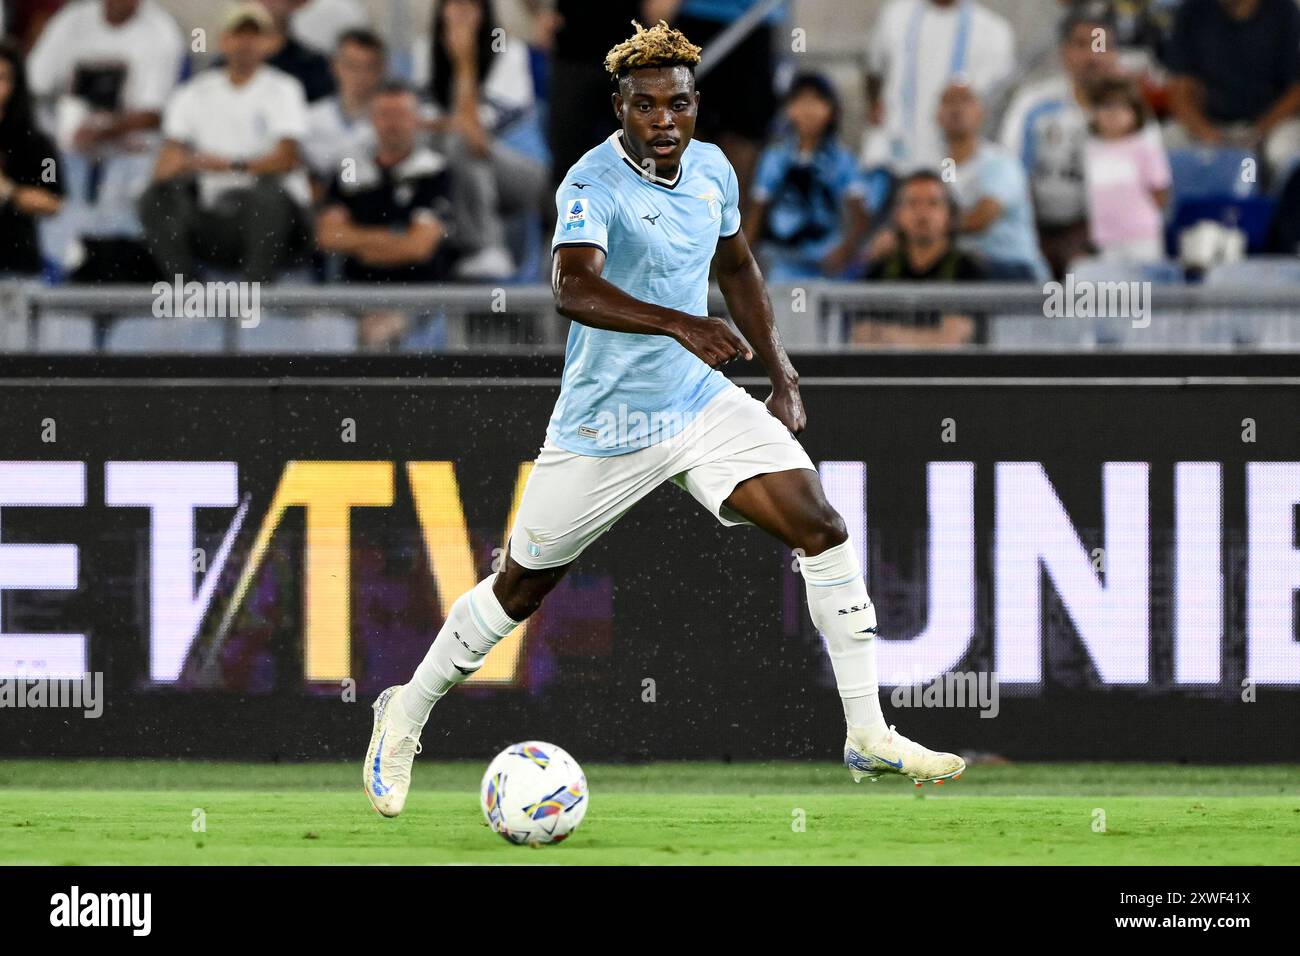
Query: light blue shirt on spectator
{"points": [[804, 195], [994, 172]]}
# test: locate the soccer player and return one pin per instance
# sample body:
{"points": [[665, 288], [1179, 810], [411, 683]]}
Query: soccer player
{"points": [[641, 217]]}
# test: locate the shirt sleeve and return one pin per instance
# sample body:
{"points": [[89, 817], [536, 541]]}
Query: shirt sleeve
{"points": [[1003, 181], [431, 194], [178, 118], [49, 65], [879, 46], [584, 210], [1012, 134], [39, 166], [162, 70], [290, 120], [768, 175], [850, 180], [1156, 173], [730, 206]]}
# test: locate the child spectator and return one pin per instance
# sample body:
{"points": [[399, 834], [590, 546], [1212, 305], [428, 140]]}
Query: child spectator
{"points": [[806, 188], [1128, 177]]}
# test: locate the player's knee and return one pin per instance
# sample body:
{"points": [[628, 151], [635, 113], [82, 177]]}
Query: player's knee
{"points": [[521, 596], [824, 531]]}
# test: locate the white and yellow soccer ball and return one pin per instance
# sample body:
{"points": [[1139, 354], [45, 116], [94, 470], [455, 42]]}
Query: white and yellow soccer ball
{"points": [[534, 793]]}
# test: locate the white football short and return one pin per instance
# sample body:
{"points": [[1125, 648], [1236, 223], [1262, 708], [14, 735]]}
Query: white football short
{"points": [[570, 500]]}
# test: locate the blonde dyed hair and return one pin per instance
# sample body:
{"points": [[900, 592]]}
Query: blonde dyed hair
{"points": [[660, 45]]}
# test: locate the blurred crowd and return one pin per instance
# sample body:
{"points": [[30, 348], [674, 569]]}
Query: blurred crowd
{"points": [[301, 143]]}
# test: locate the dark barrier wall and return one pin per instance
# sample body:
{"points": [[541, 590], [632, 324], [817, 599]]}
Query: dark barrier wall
{"points": [[1104, 569]]}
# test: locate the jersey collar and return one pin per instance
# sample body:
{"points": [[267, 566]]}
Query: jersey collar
{"points": [[616, 140]]}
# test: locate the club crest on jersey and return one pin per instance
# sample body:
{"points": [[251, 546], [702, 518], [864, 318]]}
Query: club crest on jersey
{"points": [[715, 206], [575, 213]]}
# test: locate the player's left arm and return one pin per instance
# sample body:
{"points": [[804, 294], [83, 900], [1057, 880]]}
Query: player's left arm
{"points": [[747, 302]]}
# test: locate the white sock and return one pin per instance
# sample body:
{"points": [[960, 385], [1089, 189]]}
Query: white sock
{"points": [[473, 627], [846, 618]]}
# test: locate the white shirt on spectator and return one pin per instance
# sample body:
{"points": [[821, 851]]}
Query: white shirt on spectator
{"points": [[211, 115], [918, 48], [149, 48], [319, 23], [136, 65], [332, 136]]}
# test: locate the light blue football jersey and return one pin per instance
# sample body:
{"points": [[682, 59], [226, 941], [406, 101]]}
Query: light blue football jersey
{"points": [[624, 391]]}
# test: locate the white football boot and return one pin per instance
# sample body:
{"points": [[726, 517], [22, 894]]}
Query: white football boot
{"points": [[387, 771], [894, 753]]}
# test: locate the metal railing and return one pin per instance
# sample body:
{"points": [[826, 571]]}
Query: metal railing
{"points": [[813, 316]]}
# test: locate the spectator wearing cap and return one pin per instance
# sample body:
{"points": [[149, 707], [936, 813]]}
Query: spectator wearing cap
{"points": [[229, 187], [807, 214], [386, 216], [996, 216], [1235, 68]]}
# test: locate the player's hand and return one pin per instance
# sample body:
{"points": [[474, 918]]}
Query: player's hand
{"points": [[786, 404], [712, 341]]}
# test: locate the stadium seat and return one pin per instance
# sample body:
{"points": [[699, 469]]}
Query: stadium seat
{"points": [[1257, 326], [1164, 272], [319, 333], [65, 332], [1253, 215], [1270, 271], [137, 335], [1204, 173]]}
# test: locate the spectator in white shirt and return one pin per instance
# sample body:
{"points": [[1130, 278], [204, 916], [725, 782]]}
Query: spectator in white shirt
{"points": [[338, 127], [229, 188], [917, 48], [101, 71]]}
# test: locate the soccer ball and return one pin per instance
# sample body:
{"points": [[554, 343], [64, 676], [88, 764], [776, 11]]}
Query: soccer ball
{"points": [[534, 793]]}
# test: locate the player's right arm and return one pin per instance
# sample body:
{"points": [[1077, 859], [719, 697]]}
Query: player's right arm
{"points": [[583, 296]]}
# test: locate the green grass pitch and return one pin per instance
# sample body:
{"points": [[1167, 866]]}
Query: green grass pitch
{"points": [[144, 812]]}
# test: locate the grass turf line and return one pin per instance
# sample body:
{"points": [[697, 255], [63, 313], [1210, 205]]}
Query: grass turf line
{"points": [[142, 812]]}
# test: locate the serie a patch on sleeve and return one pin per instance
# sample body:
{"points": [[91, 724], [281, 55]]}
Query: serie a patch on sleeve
{"points": [[575, 213]]}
